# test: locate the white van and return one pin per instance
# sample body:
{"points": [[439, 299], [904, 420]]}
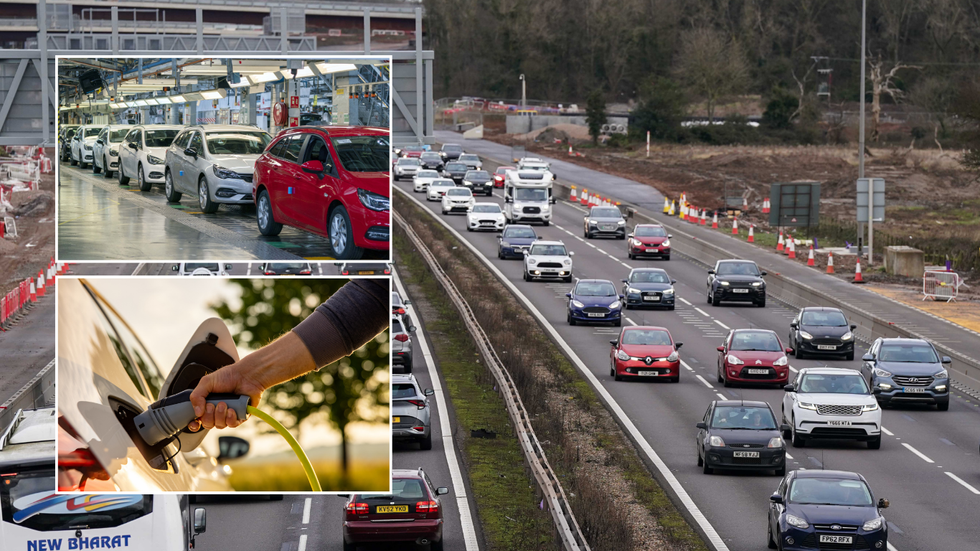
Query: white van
{"points": [[528, 196], [35, 518]]}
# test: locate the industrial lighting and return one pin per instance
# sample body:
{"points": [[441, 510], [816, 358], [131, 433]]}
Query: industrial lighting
{"points": [[130, 104], [140, 103], [193, 96], [264, 77], [177, 99], [213, 94], [163, 100], [305, 72], [150, 101], [242, 82], [327, 68]]}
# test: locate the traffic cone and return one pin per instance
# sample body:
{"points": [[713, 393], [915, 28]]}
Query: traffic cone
{"points": [[671, 212], [695, 215], [810, 261], [585, 193], [745, 204], [40, 285], [33, 292], [704, 216], [857, 272], [765, 206], [780, 244], [734, 226], [666, 205], [714, 221], [48, 275], [570, 154], [792, 247], [751, 234], [683, 209], [830, 262], [573, 197]]}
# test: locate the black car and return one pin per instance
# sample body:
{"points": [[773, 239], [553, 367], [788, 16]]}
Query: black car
{"points": [[364, 268], [649, 287], [515, 239], [451, 151], [479, 181], [817, 509], [740, 435], [907, 371], [737, 281], [66, 132], [456, 171], [286, 268], [431, 160], [821, 331]]}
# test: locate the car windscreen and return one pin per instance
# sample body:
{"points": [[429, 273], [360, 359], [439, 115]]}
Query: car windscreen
{"points": [[649, 277], [396, 300], [457, 167], [363, 153], [289, 265], [525, 233], [70, 132], [649, 231], [606, 213], [764, 341], [443, 183], [452, 148], [116, 136], [738, 268], [595, 289], [237, 143], [829, 318], [191, 266], [913, 353], [427, 174], [402, 390], [459, 192], [28, 499], [429, 156], [833, 384], [487, 208], [159, 138], [404, 488], [527, 194], [408, 161], [473, 158], [548, 250], [648, 337], [828, 491], [396, 327], [743, 417], [478, 175]]}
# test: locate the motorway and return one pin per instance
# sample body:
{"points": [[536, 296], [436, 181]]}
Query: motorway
{"points": [[28, 346], [927, 465], [301, 523], [94, 211]]}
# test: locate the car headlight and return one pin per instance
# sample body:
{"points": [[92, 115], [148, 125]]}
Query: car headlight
{"points": [[847, 336], [776, 442], [666, 243], [807, 405], [870, 407], [716, 441], [373, 200], [592, 222], [623, 356], [636, 242], [532, 261], [668, 292], [154, 160], [113, 152], [942, 374], [756, 283], [796, 521], [781, 361], [633, 291], [725, 283], [621, 222], [568, 262], [872, 524], [577, 304], [881, 372], [224, 173], [733, 360], [806, 335], [615, 305], [674, 356]]}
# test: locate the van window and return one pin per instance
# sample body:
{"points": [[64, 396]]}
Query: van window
{"points": [[27, 499]]}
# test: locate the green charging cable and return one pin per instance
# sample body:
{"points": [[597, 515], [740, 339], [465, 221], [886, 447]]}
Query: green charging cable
{"points": [[310, 474]]}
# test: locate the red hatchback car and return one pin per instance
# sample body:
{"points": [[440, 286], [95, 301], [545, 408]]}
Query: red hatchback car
{"points": [[500, 174], [648, 240], [412, 512], [333, 181], [753, 356], [644, 351]]}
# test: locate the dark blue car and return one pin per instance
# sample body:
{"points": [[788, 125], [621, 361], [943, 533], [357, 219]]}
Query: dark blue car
{"points": [[826, 510], [595, 300], [515, 239], [649, 287]]}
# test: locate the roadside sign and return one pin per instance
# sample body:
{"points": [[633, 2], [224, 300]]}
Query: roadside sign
{"points": [[794, 204], [878, 185]]}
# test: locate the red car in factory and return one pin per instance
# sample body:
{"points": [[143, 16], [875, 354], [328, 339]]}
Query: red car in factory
{"points": [[333, 181], [753, 356], [644, 351]]}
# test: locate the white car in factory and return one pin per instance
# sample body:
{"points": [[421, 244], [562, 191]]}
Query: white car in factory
{"points": [[831, 403], [82, 143], [485, 216], [143, 153], [105, 151], [457, 199], [423, 178]]}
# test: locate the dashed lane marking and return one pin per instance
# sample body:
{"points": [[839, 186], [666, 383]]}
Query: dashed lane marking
{"points": [[706, 383], [722, 324], [886, 431], [963, 483], [921, 455]]}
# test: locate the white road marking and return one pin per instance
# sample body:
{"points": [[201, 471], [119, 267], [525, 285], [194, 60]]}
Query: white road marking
{"points": [[963, 483], [722, 396], [891, 547], [580, 239], [702, 312], [793, 369], [921, 455], [248, 271], [306, 510], [138, 268], [684, 301], [886, 431], [569, 233], [722, 324], [302, 542], [591, 245], [788, 456], [706, 383], [627, 265], [631, 321]]}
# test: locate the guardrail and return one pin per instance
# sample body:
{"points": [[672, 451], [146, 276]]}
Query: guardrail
{"points": [[38, 392], [561, 510]]}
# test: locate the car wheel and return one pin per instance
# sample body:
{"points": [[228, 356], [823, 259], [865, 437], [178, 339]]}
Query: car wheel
{"points": [[95, 167], [350, 546], [781, 471], [799, 440], [799, 353], [341, 235], [709, 296], [850, 356], [435, 546], [525, 276], [700, 461], [140, 177], [705, 468], [426, 442], [619, 322], [761, 303], [725, 380], [469, 228], [82, 165], [875, 444], [586, 235], [397, 178], [629, 255], [71, 160], [121, 176], [546, 223], [500, 255], [106, 173], [264, 217], [616, 376], [568, 279], [676, 379], [204, 197], [670, 308], [715, 301], [720, 378], [667, 257], [569, 318], [771, 543], [408, 366], [942, 406], [173, 195]]}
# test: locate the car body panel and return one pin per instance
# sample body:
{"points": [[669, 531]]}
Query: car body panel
{"points": [[645, 360], [906, 382], [639, 245], [736, 287], [752, 440], [594, 308], [131, 160], [540, 262], [753, 361], [600, 222], [824, 422], [511, 246], [640, 292]]}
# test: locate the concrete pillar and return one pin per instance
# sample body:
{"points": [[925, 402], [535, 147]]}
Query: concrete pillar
{"points": [[283, 29], [42, 44], [115, 31], [253, 109], [367, 30], [199, 16], [419, 110]]}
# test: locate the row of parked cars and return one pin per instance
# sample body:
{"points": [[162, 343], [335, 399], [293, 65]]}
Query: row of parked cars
{"points": [[332, 181]]}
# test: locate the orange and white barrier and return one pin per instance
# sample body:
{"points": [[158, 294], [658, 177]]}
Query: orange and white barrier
{"points": [[584, 198], [830, 262], [704, 216], [573, 197], [671, 212], [666, 205], [766, 206]]}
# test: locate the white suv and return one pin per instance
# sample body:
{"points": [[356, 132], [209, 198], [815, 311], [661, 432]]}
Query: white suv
{"points": [[457, 199], [548, 260], [831, 403], [423, 178], [407, 167]]}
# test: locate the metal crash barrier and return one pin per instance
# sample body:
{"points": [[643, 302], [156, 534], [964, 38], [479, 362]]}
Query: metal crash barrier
{"points": [[941, 285], [38, 392]]}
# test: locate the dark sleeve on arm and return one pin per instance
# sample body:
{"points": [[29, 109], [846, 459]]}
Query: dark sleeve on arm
{"points": [[347, 320]]}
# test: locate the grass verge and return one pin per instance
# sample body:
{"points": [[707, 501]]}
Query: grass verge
{"points": [[290, 477]]}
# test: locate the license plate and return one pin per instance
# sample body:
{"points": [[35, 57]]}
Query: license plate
{"points": [[365, 272], [593, 315], [846, 540], [826, 347], [392, 509], [649, 373], [758, 371], [651, 298], [839, 423], [740, 290], [745, 454], [913, 390], [396, 419]]}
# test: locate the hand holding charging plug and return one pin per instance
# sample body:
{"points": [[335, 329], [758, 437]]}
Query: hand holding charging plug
{"points": [[167, 417]]}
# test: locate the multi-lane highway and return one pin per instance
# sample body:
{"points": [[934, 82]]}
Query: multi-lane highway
{"points": [[927, 465]]}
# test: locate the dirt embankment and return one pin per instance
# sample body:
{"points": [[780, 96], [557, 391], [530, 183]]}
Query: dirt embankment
{"points": [[31, 250]]}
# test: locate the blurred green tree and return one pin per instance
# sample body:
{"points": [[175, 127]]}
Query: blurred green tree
{"points": [[355, 388]]}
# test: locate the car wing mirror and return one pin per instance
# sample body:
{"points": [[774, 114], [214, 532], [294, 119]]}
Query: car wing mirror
{"points": [[793, 324], [614, 342], [629, 235], [678, 345], [553, 200], [883, 503], [313, 167], [442, 490], [621, 297], [853, 327], [947, 360], [190, 152], [174, 268], [200, 520], [227, 266], [788, 350], [132, 145], [625, 280], [407, 302], [763, 272], [776, 498], [411, 328], [571, 253], [789, 388], [702, 425], [569, 295], [673, 281], [784, 428], [868, 358], [670, 236], [428, 392], [721, 349], [711, 271], [231, 447]]}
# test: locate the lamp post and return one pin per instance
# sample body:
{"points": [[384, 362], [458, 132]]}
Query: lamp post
{"points": [[864, 46], [523, 92]]}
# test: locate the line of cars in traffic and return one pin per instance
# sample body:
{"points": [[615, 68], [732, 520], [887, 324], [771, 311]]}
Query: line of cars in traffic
{"points": [[331, 181]]}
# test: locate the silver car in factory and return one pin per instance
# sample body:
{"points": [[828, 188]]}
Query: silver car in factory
{"points": [[105, 151], [214, 162], [410, 411]]}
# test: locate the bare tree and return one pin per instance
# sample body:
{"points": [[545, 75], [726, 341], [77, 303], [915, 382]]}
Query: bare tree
{"points": [[946, 22], [710, 66], [897, 16], [882, 81], [935, 94], [801, 84]]}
